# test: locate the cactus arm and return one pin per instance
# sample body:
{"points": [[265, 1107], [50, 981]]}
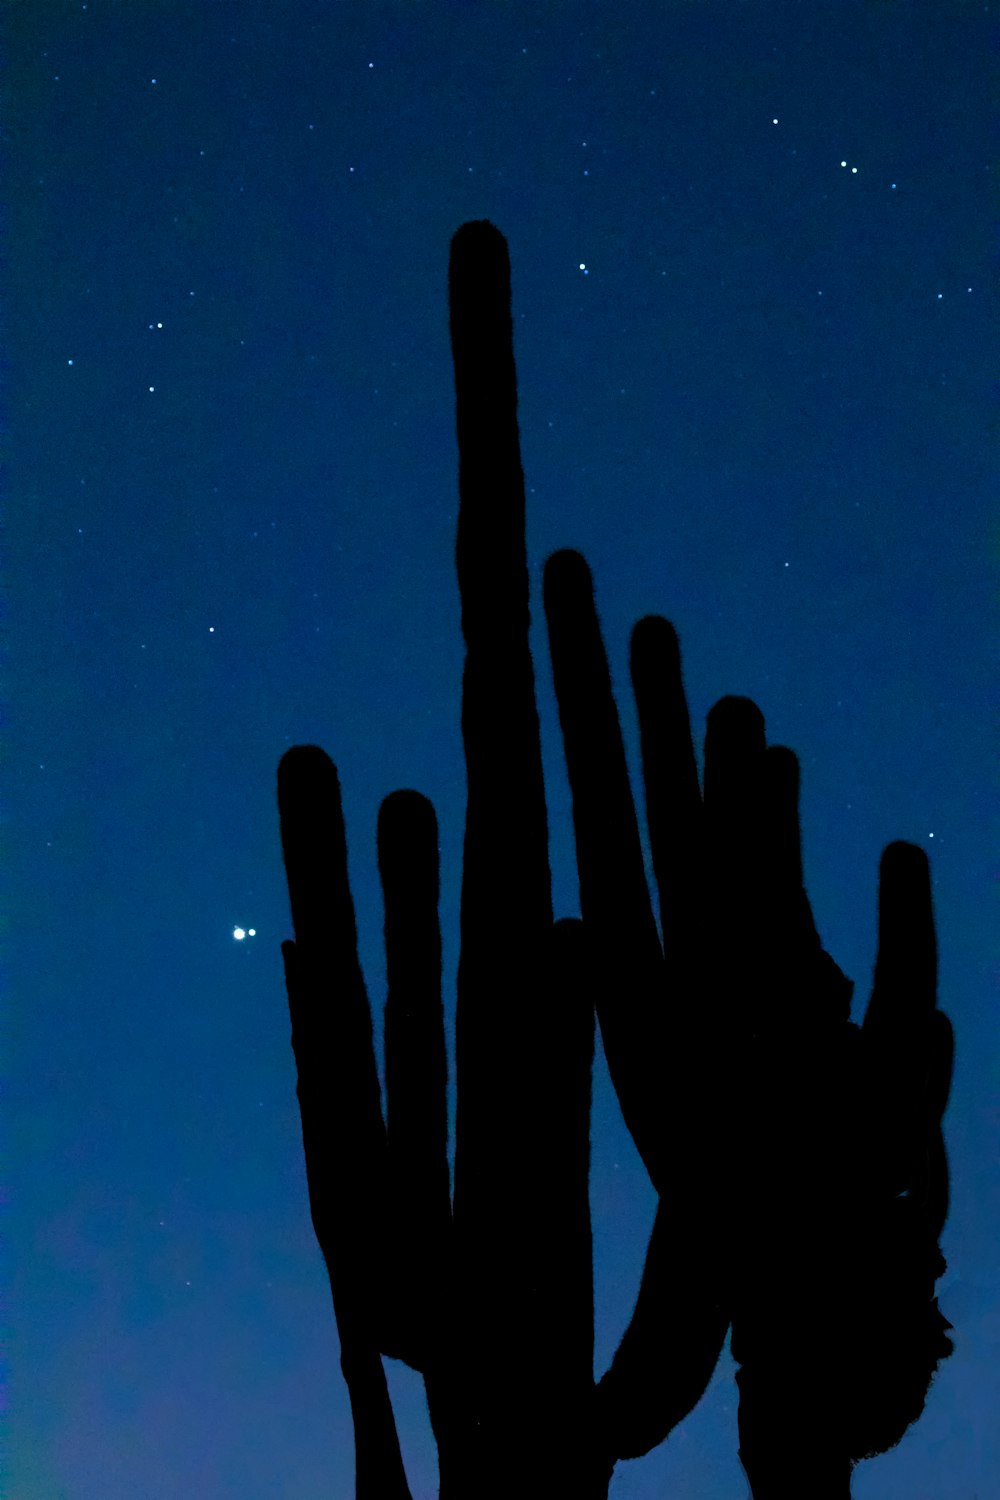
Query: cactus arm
{"points": [[671, 1346], [630, 980], [902, 1029], [674, 813], [523, 1288], [416, 1075], [837, 1192], [647, 1006], [343, 1133]]}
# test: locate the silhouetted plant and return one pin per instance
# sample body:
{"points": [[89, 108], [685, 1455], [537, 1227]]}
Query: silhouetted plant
{"points": [[771, 1126], [806, 1150]]}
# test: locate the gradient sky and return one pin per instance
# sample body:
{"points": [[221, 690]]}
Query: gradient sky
{"points": [[750, 245]]}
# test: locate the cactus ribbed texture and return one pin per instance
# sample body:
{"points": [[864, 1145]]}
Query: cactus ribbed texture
{"points": [[798, 1157]]}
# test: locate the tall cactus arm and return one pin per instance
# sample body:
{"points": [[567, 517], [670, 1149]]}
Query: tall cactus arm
{"points": [[630, 982], [491, 1300], [524, 1031], [648, 1007]]}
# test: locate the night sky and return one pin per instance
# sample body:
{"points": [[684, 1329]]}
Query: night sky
{"points": [[750, 248]]}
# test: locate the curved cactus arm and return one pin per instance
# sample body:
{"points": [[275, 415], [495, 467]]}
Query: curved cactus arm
{"points": [[671, 1346], [629, 975], [343, 1132], [663, 1061]]}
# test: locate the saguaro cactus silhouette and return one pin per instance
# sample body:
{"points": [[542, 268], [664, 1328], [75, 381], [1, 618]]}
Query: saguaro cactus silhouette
{"points": [[764, 1117], [492, 1301]]}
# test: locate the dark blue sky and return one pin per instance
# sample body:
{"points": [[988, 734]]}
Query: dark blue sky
{"points": [[750, 254]]}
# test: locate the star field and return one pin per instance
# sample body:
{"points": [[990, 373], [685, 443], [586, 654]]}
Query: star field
{"points": [[749, 296]]}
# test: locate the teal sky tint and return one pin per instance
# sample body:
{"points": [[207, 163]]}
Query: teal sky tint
{"points": [[750, 253]]}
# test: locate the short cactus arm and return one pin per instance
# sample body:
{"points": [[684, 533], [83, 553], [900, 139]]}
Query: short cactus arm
{"points": [[343, 1132], [420, 1251]]}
